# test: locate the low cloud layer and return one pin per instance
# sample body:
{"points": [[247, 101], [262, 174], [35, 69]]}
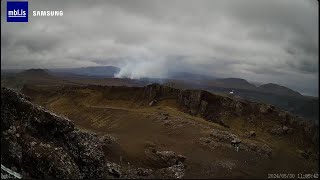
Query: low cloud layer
{"points": [[263, 41]]}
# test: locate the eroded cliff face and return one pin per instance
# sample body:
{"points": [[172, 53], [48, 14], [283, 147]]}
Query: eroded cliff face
{"points": [[159, 92], [224, 110]]}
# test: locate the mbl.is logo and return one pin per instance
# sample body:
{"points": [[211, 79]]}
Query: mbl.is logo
{"points": [[17, 11]]}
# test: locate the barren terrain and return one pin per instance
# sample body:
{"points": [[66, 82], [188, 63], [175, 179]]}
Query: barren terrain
{"points": [[126, 114]]}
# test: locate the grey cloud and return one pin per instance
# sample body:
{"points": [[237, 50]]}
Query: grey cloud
{"points": [[267, 41]]}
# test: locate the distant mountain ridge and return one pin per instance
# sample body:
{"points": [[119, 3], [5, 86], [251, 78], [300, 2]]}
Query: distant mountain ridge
{"points": [[102, 71], [242, 84], [35, 72], [190, 76], [199, 80], [270, 93], [236, 83], [275, 88]]}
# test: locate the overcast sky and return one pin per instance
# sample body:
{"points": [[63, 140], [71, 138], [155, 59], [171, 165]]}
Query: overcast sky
{"points": [[258, 40]]}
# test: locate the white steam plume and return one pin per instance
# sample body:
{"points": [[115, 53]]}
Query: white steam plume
{"points": [[144, 68]]}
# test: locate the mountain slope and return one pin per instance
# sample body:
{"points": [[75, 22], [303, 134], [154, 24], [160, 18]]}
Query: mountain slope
{"points": [[235, 83], [277, 89], [34, 73]]}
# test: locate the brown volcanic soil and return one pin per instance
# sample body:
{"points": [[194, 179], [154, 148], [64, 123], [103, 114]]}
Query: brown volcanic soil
{"points": [[124, 113]]}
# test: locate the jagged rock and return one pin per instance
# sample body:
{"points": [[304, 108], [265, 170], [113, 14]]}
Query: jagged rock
{"points": [[251, 119], [223, 136], [265, 149], [164, 118], [252, 134], [144, 172], [74, 154], [181, 158], [172, 172], [224, 139], [11, 131], [164, 158], [284, 116], [107, 139], [252, 146], [238, 107], [278, 130], [7, 173], [115, 173], [235, 141], [222, 123], [203, 107], [211, 143], [33, 143], [190, 99], [153, 102], [156, 91], [259, 148], [114, 170], [220, 139], [164, 114], [265, 108]]}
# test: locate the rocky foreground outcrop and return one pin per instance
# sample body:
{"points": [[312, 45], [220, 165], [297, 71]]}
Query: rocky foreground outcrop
{"points": [[41, 144], [37, 143], [224, 139]]}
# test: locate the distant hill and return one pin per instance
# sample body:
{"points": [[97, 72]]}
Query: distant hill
{"points": [[270, 93], [183, 79], [45, 77], [190, 76], [99, 71], [31, 77], [242, 84], [35, 72], [277, 89], [235, 83]]}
